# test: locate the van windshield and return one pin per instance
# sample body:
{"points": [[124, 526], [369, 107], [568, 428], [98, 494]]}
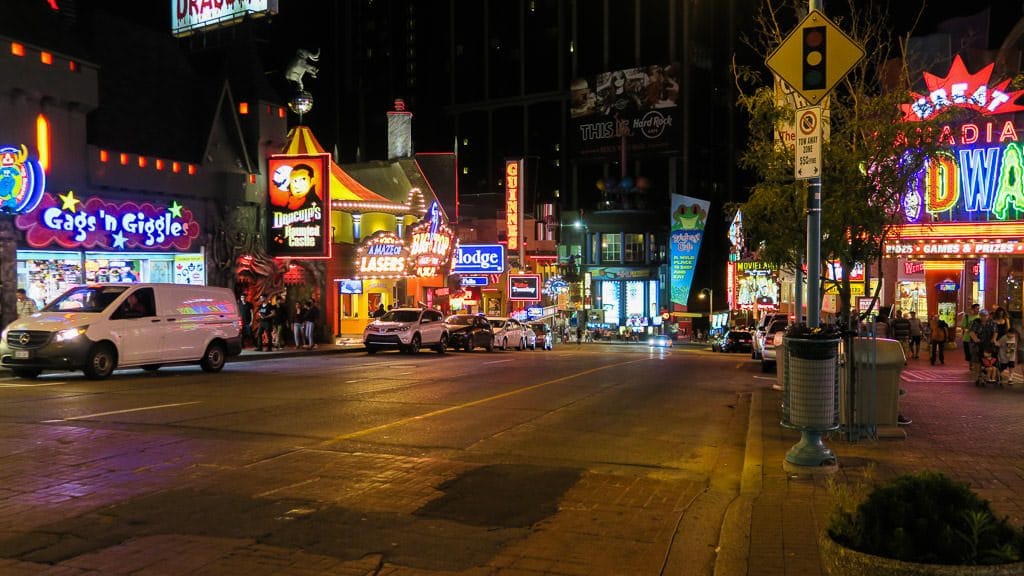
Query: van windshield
{"points": [[85, 299]]}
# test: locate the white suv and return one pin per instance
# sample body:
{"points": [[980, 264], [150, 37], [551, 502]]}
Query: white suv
{"points": [[407, 329]]}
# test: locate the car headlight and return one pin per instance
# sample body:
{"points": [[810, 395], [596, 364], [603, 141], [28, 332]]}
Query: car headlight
{"points": [[69, 334]]}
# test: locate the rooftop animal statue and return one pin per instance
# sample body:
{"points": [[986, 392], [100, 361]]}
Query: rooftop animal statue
{"points": [[300, 66]]}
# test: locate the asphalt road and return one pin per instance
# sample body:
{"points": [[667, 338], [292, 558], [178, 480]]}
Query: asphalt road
{"points": [[606, 459]]}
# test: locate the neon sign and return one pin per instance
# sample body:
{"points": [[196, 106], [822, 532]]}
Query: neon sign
{"points": [[69, 222], [21, 180], [382, 255], [188, 16], [298, 221], [513, 181], [965, 90], [431, 246]]}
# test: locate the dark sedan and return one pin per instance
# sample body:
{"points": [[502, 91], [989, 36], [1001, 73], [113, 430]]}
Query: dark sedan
{"points": [[468, 331], [736, 341]]}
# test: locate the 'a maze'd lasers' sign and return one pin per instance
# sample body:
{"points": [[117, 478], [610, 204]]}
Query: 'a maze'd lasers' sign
{"points": [[382, 255]]}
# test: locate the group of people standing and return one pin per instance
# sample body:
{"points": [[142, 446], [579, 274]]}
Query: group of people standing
{"points": [[272, 316], [989, 340]]}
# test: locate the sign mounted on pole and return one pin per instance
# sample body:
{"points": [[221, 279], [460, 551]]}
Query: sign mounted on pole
{"points": [[815, 57], [807, 163]]}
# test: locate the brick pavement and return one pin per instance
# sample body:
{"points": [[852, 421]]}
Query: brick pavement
{"points": [[606, 523], [971, 434]]}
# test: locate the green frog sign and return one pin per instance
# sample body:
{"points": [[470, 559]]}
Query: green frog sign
{"points": [[688, 218]]}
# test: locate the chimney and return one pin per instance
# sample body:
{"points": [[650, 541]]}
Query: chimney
{"points": [[399, 131]]}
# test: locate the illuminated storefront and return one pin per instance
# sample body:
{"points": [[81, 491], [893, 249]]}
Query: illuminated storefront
{"points": [[70, 240], [962, 241]]}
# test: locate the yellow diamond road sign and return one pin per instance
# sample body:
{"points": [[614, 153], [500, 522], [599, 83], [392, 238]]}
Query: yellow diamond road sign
{"points": [[815, 57]]}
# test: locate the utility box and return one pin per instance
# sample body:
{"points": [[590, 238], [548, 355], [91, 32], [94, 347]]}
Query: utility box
{"points": [[871, 402]]}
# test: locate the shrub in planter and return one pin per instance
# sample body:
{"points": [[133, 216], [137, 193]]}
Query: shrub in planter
{"points": [[926, 518]]}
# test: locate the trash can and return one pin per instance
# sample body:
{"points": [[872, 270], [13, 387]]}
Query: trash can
{"points": [[871, 403], [810, 385]]}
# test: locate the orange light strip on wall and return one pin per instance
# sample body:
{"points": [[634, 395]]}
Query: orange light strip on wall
{"points": [[944, 266], [17, 49], [43, 141], [961, 230]]}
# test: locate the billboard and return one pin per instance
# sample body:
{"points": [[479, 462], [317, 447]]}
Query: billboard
{"points": [[524, 287], [687, 221], [298, 218], [188, 16], [479, 259], [635, 104]]}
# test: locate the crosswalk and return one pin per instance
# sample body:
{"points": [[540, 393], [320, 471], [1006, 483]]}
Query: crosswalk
{"points": [[936, 375]]}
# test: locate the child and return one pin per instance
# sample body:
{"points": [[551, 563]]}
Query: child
{"points": [[988, 367], [1007, 354]]}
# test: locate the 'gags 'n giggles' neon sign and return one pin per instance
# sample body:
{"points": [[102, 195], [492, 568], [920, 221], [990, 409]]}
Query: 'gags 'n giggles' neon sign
{"points": [[69, 222]]}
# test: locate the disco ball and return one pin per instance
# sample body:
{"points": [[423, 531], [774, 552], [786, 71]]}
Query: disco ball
{"points": [[301, 103]]}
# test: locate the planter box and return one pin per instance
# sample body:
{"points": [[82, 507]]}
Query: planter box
{"points": [[837, 560]]}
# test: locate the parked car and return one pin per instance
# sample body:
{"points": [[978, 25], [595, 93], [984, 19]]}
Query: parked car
{"points": [[660, 341], [529, 337], [736, 341], [407, 330], [98, 328], [545, 337], [761, 330], [773, 337], [469, 331], [507, 331]]}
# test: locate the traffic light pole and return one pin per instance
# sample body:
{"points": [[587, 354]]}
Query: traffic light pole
{"points": [[814, 236]]}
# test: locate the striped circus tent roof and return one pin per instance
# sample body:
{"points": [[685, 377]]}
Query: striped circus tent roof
{"points": [[344, 187]]}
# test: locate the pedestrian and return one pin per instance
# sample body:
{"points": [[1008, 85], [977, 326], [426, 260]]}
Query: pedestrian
{"points": [[915, 335], [379, 312], [982, 337], [965, 327], [312, 317], [298, 323], [882, 325], [1007, 354], [26, 306], [938, 328], [280, 320], [265, 316], [1001, 321], [901, 329], [245, 310]]}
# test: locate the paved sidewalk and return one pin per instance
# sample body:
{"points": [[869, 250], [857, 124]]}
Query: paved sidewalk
{"points": [[971, 434]]}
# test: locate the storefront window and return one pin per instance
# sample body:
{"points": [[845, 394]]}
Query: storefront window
{"points": [[46, 275], [911, 298], [1014, 286], [635, 298], [611, 247], [610, 301]]}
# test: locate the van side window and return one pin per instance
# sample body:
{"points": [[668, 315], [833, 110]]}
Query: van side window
{"points": [[138, 304]]}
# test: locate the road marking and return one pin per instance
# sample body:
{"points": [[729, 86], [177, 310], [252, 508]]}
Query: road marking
{"points": [[402, 421], [31, 385], [98, 414], [497, 361], [766, 377]]}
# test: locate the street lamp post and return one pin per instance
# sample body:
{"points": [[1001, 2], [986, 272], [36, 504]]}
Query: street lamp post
{"points": [[711, 304]]}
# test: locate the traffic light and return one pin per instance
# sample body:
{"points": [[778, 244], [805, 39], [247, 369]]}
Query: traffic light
{"points": [[814, 58]]}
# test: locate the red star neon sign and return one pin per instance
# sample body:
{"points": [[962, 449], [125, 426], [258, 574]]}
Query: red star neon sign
{"points": [[963, 89]]}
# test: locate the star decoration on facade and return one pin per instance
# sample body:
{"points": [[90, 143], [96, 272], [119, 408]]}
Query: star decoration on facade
{"points": [[119, 239], [68, 201], [175, 209]]}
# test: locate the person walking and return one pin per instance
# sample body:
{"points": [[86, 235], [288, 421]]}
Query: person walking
{"points": [[901, 330], [965, 326], [938, 328], [245, 310], [280, 320], [311, 318], [983, 336], [26, 306], [1001, 320], [265, 316], [915, 335], [298, 323]]}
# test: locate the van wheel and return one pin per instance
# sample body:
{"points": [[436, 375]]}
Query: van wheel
{"points": [[101, 362], [29, 373], [152, 367], [214, 358]]}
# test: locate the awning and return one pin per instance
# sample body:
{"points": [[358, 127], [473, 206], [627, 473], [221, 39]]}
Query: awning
{"points": [[343, 186]]}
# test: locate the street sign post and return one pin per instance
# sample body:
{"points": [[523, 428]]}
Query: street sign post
{"points": [[807, 163], [815, 57]]}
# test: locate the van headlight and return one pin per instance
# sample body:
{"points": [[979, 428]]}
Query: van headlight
{"points": [[69, 334]]}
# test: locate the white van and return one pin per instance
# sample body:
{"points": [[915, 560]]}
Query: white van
{"points": [[100, 327]]}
